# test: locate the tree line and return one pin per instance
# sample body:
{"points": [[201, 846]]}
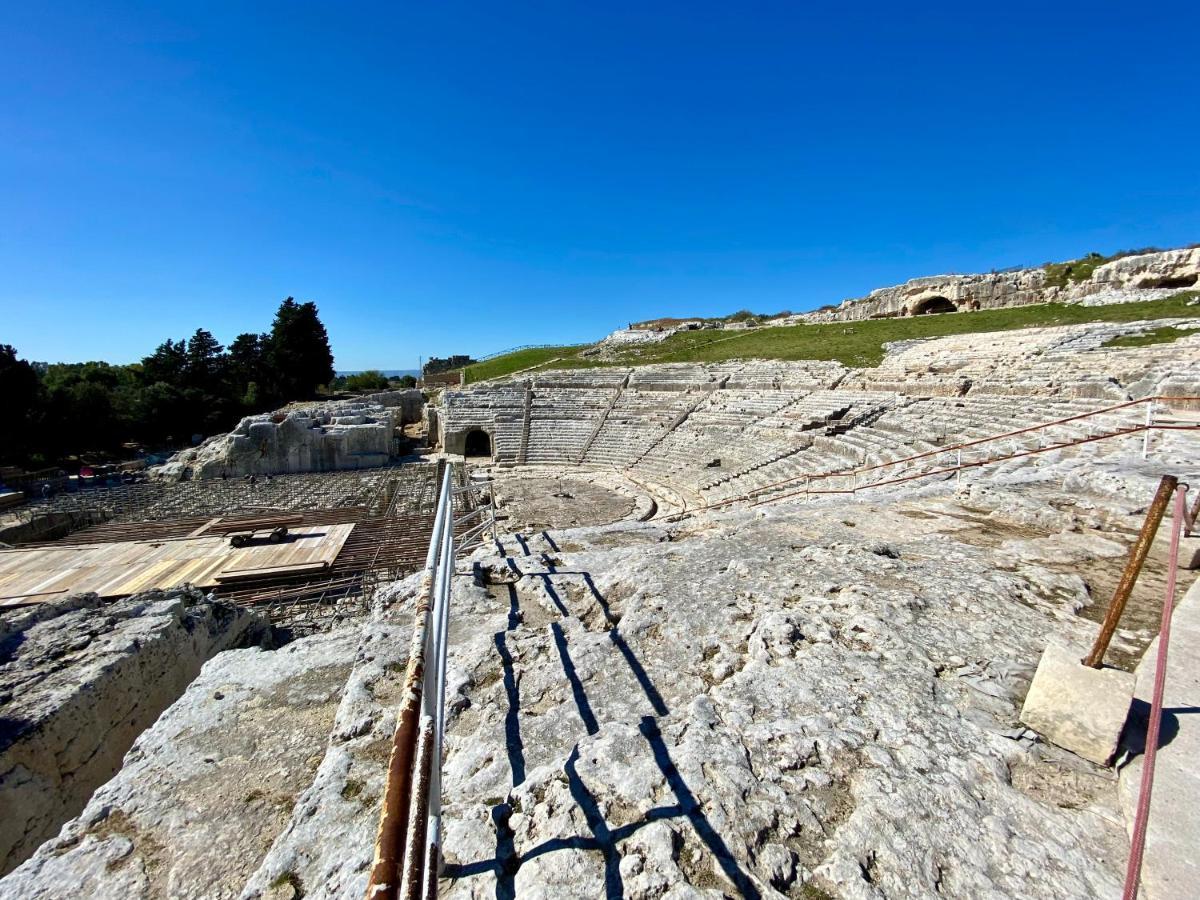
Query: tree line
{"points": [[184, 388]]}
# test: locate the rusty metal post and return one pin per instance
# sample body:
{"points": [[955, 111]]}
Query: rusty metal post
{"points": [[1189, 522], [393, 825], [1137, 556], [413, 868]]}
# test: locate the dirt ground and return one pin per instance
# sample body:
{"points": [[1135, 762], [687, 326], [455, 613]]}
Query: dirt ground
{"points": [[556, 501]]}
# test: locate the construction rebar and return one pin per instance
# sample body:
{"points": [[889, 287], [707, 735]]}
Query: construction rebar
{"points": [[1137, 557]]}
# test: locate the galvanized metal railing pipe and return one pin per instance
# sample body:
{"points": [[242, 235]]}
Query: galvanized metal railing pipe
{"points": [[412, 738]]}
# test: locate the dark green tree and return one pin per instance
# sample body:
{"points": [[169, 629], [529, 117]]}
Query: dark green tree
{"points": [[166, 364], [370, 380], [88, 406], [22, 392], [246, 371], [204, 362], [298, 351]]}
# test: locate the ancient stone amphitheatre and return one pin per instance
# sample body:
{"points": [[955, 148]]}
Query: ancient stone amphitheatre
{"points": [[729, 628]]}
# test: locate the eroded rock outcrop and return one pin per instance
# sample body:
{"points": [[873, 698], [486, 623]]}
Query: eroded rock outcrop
{"points": [[354, 434], [764, 706], [80, 679], [204, 792], [1145, 276]]}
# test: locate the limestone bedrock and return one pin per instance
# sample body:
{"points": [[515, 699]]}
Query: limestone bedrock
{"points": [[204, 792], [80, 679], [351, 434], [764, 704]]}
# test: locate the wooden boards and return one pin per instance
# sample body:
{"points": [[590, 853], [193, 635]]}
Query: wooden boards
{"points": [[117, 569]]}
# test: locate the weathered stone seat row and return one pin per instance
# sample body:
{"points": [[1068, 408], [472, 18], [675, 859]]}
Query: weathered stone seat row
{"points": [[726, 428]]}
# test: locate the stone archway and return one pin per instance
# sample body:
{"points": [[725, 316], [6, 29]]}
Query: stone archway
{"points": [[478, 443], [936, 304]]}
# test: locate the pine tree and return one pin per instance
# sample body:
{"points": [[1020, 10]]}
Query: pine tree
{"points": [[298, 351]]}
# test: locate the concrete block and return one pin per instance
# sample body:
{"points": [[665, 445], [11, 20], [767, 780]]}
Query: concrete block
{"points": [[1079, 709]]}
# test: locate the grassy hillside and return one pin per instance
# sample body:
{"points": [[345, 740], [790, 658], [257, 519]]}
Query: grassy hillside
{"points": [[861, 343], [517, 361], [850, 343]]}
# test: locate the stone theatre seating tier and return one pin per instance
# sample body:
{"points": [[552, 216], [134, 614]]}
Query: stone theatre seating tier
{"points": [[720, 431]]}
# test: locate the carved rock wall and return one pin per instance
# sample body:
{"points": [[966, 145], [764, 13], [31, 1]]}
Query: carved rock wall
{"points": [[353, 434], [1170, 269], [79, 681]]}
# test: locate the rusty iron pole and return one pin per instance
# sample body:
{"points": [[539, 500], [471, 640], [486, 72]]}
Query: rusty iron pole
{"points": [[393, 825], [413, 868], [1189, 521], [1137, 556]]}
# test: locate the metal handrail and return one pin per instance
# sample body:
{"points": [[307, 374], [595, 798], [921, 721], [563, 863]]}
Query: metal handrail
{"points": [[405, 860]]}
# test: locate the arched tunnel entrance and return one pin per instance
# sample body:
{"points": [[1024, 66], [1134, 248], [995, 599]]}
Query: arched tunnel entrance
{"points": [[930, 305], [479, 443]]}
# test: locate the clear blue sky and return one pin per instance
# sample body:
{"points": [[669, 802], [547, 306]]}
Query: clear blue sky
{"points": [[447, 177]]}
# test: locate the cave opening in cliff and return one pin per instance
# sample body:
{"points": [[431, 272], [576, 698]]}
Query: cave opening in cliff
{"points": [[931, 305], [1170, 281]]}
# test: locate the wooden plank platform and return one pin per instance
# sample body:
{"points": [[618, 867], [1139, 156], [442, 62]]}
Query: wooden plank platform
{"points": [[117, 569]]}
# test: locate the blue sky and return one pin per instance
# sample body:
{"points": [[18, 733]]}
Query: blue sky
{"points": [[464, 177]]}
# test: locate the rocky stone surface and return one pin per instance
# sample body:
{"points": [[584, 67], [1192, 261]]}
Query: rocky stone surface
{"points": [[1122, 280], [354, 434], [1170, 269], [557, 498], [625, 337], [325, 850], [80, 679], [795, 701], [204, 792]]}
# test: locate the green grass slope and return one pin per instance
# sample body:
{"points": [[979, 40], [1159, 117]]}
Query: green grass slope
{"points": [[1168, 334], [517, 361], [861, 343], [850, 343]]}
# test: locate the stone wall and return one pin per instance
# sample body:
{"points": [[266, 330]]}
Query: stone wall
{"points": [[1126, 278], [79, 681]]}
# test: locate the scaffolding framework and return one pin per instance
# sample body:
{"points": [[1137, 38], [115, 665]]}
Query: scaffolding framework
{"points": [[392, 510]]}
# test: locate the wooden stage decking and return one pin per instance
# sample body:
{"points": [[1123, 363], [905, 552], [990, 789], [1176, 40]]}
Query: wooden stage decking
{"points": [[121, 568]]}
